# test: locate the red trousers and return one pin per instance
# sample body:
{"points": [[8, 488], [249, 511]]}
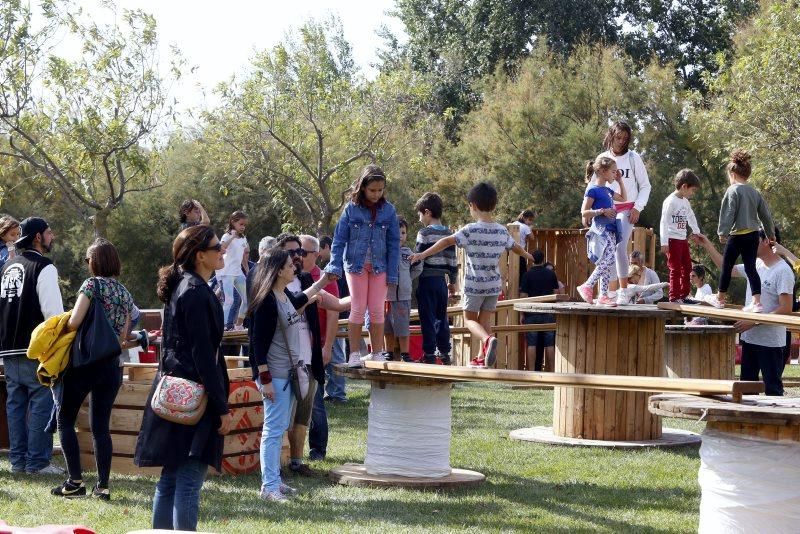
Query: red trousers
{"points": [[679, 263]]}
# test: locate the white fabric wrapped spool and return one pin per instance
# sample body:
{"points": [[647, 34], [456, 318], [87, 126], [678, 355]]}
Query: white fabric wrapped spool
{"points": [[748, 484], [409, 431]]}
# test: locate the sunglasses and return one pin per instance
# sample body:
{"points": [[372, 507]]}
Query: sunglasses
{"points": [[298, 252], [217, 247]]}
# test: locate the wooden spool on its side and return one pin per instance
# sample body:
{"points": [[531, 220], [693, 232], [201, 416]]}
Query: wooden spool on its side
{"points": [[241, 449], [616, 343], [700, 352]]}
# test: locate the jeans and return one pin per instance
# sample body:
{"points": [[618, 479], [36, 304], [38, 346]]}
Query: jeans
{"points": [[28, 407], [230, 319], [768, 360], [335, 384], [230, 283], [432, 304], [745, 245], [102, 380], [177, 499], [318, 431], [277, 414]]}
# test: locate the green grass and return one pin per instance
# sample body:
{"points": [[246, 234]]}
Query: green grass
{"points": [[529, 487]]}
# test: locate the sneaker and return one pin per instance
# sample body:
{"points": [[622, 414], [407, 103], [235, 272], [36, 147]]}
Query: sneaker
{"points": [[490, 353], [274, 496], [17, 470], [586, 293], [69, 489], [446, 359], [287, 490], [406, 357], [381, 356], [50, 469], [754, 308], [477, 363], [605, 300], [303, 470], [101, 493], [624, 296], [691, 302], [714, 301], [354, 360], [430, 359], [316, 456]]}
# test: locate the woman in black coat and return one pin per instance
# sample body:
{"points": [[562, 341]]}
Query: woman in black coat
{"points": [[192, 333]]}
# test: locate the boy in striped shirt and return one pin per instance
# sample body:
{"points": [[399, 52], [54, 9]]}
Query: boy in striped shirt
{"points": [[484, 242], [437, 282]]}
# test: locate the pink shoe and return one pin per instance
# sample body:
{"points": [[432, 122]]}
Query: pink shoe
{"points": [[605, 300], [586, 293]]}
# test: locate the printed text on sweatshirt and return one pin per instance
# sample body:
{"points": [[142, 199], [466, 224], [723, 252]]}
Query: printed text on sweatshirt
{"points": [[676, 217]]}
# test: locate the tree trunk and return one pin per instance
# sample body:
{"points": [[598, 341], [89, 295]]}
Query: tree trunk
{"points": [[100, 222]]}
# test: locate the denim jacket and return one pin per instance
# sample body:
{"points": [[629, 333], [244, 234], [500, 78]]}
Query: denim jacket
{"points": [[355, 232]]}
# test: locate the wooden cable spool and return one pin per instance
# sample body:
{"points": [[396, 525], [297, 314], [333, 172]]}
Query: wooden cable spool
{"points": [[702, 351]]}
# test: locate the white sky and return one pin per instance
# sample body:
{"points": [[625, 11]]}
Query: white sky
{"points": [[219, 37]]}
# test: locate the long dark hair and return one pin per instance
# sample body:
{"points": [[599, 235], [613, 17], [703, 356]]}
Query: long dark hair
{"points": [[184, 253], [237, 215], [614, 129], [370, 173], [266, 274]]}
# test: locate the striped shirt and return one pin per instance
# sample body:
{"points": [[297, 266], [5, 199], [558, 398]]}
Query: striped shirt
{"points": [[443, 263], [484, 243]]}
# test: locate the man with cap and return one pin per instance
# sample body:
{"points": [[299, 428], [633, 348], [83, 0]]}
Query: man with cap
{"points": [[29, 294]]}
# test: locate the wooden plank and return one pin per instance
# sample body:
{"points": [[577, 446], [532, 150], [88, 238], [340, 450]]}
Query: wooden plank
{"points": [[612, 367], [122, 419], [599, 356], [729, 314], [632, 361], [120, 465]]}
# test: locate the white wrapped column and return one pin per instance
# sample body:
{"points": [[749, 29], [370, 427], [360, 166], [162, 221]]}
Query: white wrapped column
{"points": [[408, 433]]}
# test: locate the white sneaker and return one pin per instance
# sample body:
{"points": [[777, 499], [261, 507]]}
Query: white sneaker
{"points": [[714, 301], [381, 356], [354, 360], [287, 490], [624, 296], [274, 496], [753, 307], [50, 469]]}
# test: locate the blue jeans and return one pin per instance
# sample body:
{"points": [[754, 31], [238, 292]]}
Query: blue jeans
{"points": [[232, 284], [276, 422], [177, 499], [28, 409], [335, 384], [230, 319], [318, 431], [432, 305]]}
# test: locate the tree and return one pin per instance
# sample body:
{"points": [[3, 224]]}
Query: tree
{"points": [[753, 104], [297, 125], [82, 123]]}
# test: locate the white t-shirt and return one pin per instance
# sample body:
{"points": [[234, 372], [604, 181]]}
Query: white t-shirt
{"points": [[702, 292], [524, 232], [484, 243], [676, 216], [634, 175], [233, 255], [776, 280], [304, 347]]}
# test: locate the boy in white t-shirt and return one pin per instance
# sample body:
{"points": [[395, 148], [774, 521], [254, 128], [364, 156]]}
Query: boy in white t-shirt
{"points": [[484, 241], [233, 277], [676, 217]]}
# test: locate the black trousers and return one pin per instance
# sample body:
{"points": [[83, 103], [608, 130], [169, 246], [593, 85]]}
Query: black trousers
{"points": [[745, 245], [103, 380], [767, 360]]}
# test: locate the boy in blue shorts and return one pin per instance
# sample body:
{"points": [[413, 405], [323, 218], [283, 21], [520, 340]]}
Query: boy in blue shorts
{"points": [[484, 242], [398, 300]]}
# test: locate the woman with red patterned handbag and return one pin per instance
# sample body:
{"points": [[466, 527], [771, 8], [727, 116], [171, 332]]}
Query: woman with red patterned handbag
{"points": [[192, 334]]}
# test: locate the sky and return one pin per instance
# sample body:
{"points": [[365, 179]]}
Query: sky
{"points": [[219, 36]]}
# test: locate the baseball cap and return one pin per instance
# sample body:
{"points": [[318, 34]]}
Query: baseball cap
{"points": [[28, 229]]}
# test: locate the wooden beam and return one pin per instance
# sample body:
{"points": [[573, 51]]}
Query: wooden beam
{"points": [[458, 330], [730, 314], [693, 386]]}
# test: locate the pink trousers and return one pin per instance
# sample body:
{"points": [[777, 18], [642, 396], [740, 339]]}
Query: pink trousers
{"points": [[367, 292]]}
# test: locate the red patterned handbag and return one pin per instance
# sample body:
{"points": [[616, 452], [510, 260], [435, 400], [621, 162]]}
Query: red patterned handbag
{"points": [[179, 400]]}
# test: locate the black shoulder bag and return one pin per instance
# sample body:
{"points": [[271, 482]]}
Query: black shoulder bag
{"points": [[96, 340]]}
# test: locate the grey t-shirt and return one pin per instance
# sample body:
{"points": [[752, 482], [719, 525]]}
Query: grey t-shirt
{"points": [[278, 357], [776, 279]]}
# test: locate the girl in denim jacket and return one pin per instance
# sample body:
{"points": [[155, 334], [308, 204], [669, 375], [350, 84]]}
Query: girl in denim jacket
{"points": [[366, 250]]}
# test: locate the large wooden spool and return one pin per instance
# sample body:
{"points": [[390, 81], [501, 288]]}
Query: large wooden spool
{"points": [[702, 351], [241, 450]]}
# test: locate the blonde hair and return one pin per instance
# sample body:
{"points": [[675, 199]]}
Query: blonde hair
{"points": [[634, 270], [600, 163]]}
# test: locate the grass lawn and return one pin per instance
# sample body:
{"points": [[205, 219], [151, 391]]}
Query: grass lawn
{"points": [[529, 487]]}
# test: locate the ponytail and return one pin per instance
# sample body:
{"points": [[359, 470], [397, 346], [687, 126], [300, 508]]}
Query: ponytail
{"points": [[168, 278], [589, 171], [184, 250]]}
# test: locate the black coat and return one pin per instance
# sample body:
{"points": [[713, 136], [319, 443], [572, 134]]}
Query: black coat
{"points": [[312, 316], [192, 334]]}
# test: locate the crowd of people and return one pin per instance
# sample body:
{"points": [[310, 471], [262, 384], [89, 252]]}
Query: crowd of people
{"points": [[292, 298]]}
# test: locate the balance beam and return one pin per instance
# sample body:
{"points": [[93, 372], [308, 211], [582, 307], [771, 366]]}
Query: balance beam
{"points": [[730, 314], [691, 386]]}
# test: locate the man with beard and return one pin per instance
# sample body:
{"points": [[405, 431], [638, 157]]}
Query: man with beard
{"points": [[29, 294]]}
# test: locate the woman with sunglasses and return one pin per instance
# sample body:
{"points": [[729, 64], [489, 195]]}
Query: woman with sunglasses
{"points": [[190, 349], [102, 378]]}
